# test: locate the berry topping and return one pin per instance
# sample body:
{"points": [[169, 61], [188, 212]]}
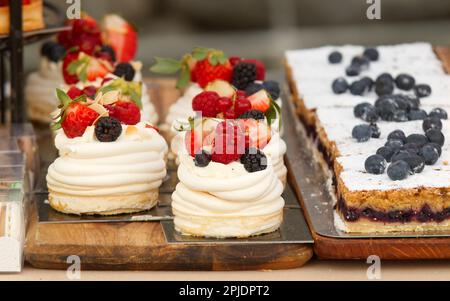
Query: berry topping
{"points": [[398, 171], [260, 101], [241, 106], [371, 53], [206, 103], [252, 88], [397, 135], [438, 113], [386, 152], [126, 112], [260, 68], [335, 57], [224, 104], [254, 160], [405, 82], [417, 115], [430, 154], [253, 114], [125, 70], [121, 36], [375, 164], [74, 92], [243, 75], [202, 159], [108, 129], [273, 88], [229, 143], [90, 91], [418, 139], [362, 133], [422, 90], [435, 136], [431, 123], [74, 117], [339, 85]]}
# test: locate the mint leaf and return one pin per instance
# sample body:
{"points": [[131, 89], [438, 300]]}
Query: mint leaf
{"points": [[166, 66]]}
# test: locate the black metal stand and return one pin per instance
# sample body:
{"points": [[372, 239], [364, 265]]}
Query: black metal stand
{"points": [[18, 112]]}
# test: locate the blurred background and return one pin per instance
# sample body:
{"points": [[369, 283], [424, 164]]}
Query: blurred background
{"points": [[264, 29]]}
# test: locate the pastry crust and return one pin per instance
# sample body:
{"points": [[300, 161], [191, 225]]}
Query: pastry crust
{"points": [[33, 17], [112, 205]]}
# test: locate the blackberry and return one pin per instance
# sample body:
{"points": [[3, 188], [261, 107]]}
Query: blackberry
{"points": [[109, 50], [253, 88], [335, 57], [339, 85], [371, 53], [254, 160], [439, 113], [108, 129], [125, 70], [273, 88], [202, 159], [253, 114], [243, 75], [375, 164], [422, 90], [405, 82]]}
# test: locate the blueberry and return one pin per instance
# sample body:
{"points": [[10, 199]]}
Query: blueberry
{"points": [[253, 88], [422, 90], [400, 116], [46, 47], [273, 87], [386, 152], [353, 70], [362, 132], [402, 102], [371, 53], [386, 107], [405, 82], [431, 123], [439, 113], [413, 102], [335, 57], [396, 145], [358, 87], [376, 133], [369, 83], [412, 148], [430, 154], [400, 155], [202, 159], [397, 135], [416, 163], [398, 171], [57, 53], [361, 61], [370, 114], [417, 115], [360, 108], [384, 88], [435, 136], [339, 85], [437, 147], [418, 139], [375, 164], [385, 78]]}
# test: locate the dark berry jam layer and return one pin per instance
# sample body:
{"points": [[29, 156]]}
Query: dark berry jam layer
{"points": [[424, 215]]}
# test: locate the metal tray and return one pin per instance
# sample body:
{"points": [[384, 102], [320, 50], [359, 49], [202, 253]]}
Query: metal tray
{"points": [[314, 184]]}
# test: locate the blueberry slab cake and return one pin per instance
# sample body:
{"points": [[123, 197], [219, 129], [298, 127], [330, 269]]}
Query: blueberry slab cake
{"points": [[378, 116]]}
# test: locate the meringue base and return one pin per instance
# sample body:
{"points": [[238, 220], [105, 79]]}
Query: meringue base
{"points": [[106, 205], [226, 226]]}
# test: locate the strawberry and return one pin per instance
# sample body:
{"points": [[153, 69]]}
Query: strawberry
{"points": [[121, 36], [84, 68], [125, 111], [257, 133], [84, 34], [260, 68], [229, 143], [193, 142], [260, 101], [205, 72], [70, 57]]}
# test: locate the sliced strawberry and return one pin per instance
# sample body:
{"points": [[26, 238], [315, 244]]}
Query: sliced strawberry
{"points": [[125, 111], [97, 69], [83, 67], [121, 36], [260, 101], [193, 142], [77, 118], [257, 133]]}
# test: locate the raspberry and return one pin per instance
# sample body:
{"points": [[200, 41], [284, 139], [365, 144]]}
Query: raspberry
{"points": [[234, 60], [90, 91], [108, 129], [74, 92], [207, 103], [126, 112], [224, 103], [230, 114], [229, 143], [242, 106]]}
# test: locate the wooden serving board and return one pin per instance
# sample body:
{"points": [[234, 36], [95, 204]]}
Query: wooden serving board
{"points": [[142, 245], [417, 248]]}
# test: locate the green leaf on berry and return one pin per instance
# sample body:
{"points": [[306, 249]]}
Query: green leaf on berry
{"points": [[166, 66], [64, 99], [200, 53], [185, 77], [273, 112]]}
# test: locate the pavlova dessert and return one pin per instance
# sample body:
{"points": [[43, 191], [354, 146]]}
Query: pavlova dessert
{"points": [[110, 160], [228, 186]]}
